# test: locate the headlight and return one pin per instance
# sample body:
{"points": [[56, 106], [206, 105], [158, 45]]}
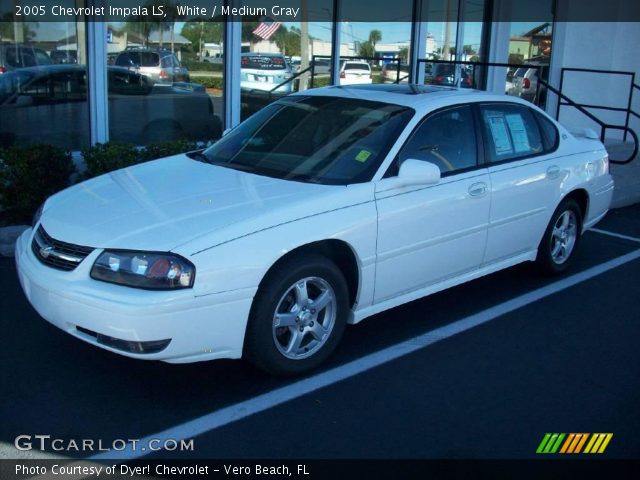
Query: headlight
{"points": [[150, 270], [37, 215]]}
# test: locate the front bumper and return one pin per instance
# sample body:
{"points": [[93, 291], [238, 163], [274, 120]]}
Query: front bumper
{"points": [[199, 328]]}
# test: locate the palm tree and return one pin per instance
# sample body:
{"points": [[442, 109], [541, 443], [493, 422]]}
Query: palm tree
{"points": [[403, 53], [367, 50], [468, 51], [374, 37]]}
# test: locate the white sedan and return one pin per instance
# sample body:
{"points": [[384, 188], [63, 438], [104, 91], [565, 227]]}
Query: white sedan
{"points": [[322, 209]]}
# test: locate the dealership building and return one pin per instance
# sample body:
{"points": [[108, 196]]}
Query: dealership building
{"points": [[140, 80]]}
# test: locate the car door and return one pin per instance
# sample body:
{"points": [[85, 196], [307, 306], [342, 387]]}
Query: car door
{"points": [[427, 234], [525, 178]]}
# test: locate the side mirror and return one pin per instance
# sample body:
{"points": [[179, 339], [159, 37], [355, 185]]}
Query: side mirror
{"points": [[418, 172]]}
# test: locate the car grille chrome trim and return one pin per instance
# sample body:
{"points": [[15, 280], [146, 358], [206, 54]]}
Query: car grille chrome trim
{"points": [[57, 254]]}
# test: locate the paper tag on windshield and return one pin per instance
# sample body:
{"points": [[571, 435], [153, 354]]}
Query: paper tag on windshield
{"points": [[363, 156]]}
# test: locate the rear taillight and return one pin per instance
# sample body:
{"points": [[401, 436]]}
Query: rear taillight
{"points": [[342, 75], [3, 70], [439, 79], [163, 74], [526, 83]]}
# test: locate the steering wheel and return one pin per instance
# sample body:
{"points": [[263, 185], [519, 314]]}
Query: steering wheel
{"points": [[434, 150]]}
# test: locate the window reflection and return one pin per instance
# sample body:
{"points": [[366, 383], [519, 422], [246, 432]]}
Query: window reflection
{"points": [[165, 80], [279, 58], [43, 89]]}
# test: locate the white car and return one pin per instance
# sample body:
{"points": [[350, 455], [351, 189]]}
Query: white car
{"points": [[263, 72], [354, 72], [320, 210]]}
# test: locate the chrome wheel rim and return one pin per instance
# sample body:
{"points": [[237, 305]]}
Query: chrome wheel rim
{"points": [[563, 237], [304, 318]]}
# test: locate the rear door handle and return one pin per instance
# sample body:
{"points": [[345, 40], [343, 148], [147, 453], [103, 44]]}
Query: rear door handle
{"points": [[553, 172], [478, 189]]}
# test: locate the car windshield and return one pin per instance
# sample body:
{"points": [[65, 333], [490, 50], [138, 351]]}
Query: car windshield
{"points": [[10, 83], [316, 139], [261, 62]]}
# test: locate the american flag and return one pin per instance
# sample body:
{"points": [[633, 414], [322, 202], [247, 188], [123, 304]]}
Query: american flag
{"points": [[266, 28]]}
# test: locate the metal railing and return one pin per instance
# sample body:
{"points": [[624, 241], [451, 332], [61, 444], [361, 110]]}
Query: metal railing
{"points": [[563, 100]]}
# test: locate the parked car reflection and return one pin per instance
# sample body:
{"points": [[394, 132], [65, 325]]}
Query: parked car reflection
{"points": [[52, 101]]}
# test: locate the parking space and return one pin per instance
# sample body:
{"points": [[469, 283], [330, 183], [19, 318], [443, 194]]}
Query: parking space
{"points": [[567, 361]]}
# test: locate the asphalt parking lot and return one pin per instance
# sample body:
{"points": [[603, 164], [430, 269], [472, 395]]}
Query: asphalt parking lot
{"points": [[566, 360]]}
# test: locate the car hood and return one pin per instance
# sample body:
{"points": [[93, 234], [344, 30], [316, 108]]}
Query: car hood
{"points": [[167, 203]]}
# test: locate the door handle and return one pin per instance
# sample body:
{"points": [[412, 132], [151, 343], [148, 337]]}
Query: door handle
{"points": [[553, 172], [478, 189]]}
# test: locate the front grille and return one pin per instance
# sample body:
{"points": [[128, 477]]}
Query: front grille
{"points": [[57, 254]]}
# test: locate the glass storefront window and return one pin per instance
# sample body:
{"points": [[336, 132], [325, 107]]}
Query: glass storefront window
{"points": [[43, 83], [440, 19], [375, 52], [165, 80], [279, 58], [530, 46]]}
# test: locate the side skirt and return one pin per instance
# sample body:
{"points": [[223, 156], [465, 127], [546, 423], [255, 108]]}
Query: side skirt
{"points": [[363, 313]]}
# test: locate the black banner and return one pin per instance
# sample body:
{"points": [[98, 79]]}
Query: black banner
{"points": [[318, 469], [320, 10]]}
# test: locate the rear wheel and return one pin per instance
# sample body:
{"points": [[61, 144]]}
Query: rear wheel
{"points": [[298, 316], [558, 246]]}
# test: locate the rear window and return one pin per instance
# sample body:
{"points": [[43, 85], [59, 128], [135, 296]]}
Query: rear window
{"points": [[357, 66], [149, 59], [138, 59], [549, 130], [260, 62], [520, 72]]}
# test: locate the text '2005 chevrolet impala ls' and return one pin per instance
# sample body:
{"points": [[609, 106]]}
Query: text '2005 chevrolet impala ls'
{"points": [[320, 210]]}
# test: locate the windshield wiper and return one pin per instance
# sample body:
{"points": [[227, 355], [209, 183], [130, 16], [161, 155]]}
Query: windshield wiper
{"points": [[306, 178], [198, 155]]}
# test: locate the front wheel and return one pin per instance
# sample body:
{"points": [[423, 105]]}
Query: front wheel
{"points": [[558, 246], [298, 316]]}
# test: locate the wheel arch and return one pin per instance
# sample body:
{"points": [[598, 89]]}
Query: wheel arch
{"points": [[581, 196], [338, 251]]}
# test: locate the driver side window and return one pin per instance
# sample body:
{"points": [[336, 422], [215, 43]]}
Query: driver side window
{"points": [[446, 139]]}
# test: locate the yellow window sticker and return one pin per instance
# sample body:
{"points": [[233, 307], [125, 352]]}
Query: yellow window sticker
{"points": [[363, 156]]}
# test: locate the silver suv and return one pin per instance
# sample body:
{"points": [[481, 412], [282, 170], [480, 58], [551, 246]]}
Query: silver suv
{"points": [[17, 55], [161, 66]]}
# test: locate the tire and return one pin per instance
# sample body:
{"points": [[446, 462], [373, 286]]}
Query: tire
{"points": [[305, 336], [561, 239]]}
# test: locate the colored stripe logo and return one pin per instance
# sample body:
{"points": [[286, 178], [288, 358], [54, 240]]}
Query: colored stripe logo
{"points": [[574, 442]]}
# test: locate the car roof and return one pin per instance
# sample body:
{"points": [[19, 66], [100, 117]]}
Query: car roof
{"points": [[419, 97]]}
